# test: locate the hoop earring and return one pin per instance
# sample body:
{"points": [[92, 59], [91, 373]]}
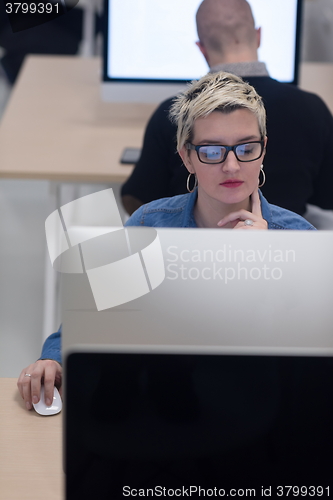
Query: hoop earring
{"points": [[263, 176], [188, 183]]}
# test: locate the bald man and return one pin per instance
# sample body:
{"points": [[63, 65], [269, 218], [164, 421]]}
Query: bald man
{"points": [[299, 160], [227, 32]]}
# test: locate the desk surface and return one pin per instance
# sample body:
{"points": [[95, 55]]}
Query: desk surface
{"points": [[57, 127], [31, 450]]}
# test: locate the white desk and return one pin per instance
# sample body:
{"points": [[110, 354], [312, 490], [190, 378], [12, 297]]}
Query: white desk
{"points": [[56, 126]]}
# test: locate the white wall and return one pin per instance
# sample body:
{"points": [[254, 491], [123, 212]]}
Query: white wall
{"points": [[317, 39]]}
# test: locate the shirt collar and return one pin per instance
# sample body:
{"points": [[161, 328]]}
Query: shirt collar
{"points": [[188, 219], [265, 208], [251, 68]]}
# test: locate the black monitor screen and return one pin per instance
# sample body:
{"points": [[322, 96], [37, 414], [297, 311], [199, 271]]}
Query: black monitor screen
{"points": [[198, 425]]}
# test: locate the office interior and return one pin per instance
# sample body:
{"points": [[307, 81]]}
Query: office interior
{"points": [[24, 206], [32, 445]]}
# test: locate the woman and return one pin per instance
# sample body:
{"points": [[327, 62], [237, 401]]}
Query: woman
{"points": [[222, 141]]}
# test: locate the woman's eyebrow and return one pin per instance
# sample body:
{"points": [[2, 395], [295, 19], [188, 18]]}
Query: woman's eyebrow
{"points": [[239, 141]]}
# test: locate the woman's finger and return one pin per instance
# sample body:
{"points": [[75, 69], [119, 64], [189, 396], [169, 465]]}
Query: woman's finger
{"points": [[260, 224], [256, 205], [51, 370], [29, 383], [242, 225], [242, 215], [36, 381], [25, 386], [23, 379], [19, 382]]}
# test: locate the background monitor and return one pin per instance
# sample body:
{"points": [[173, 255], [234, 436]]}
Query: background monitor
{"points": [[150, 51]]}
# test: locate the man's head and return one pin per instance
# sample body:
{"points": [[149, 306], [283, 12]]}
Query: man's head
{"points": [[226, 31], [214, 92]]}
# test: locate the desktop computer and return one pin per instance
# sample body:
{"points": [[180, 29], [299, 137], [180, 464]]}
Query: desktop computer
{"points": [[218, 382]]}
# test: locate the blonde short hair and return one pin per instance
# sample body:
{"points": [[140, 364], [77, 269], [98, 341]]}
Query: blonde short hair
{"points": [[214, 92]]}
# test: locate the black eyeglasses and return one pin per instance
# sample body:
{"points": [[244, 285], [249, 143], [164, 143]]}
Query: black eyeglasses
{"points": [[249, 151]]}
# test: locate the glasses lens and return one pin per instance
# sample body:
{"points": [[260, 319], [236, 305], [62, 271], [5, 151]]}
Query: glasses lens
{"points": [[248, 152], [211, 154]]}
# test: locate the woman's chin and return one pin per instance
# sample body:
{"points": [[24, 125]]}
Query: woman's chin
{"points": [[227, 196], [234, 199]]}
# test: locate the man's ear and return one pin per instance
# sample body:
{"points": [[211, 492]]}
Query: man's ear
{"points": [[258, 31], [203, 50], [184, 154]]}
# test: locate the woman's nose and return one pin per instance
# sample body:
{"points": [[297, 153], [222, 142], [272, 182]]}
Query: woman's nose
{"points": [[231, 163]]}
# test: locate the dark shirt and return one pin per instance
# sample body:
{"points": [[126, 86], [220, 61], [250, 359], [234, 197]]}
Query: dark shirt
{"points": [[298, 162]]}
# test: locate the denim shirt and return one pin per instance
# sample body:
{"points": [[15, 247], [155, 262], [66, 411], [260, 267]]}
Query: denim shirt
{"points": [[178, 212]]}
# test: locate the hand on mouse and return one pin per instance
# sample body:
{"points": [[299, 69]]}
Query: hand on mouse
{"points": [[46, 371], [238, 218]]}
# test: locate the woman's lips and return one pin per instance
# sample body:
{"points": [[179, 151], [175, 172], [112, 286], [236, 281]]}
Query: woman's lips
{"points": [[232, 183]]}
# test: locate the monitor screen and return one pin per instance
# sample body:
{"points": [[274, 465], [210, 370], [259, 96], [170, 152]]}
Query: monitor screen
{"points": [[145, 424], [154, 41]]}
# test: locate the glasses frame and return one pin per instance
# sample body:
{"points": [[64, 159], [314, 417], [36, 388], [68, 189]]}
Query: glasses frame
{"points": [[227, 151]]}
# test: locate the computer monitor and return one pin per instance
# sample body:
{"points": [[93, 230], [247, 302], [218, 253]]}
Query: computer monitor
{"points": [[152, 422], [150, 52], [219, 377], [248, 291]]}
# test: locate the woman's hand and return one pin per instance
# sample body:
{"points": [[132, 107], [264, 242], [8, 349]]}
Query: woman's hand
{"points": [[46, 371], [241, 215]]}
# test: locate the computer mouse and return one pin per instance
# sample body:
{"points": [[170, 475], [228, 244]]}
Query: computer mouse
{"points": [[44, 410]]}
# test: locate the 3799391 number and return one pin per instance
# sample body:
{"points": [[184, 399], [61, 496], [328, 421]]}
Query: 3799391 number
{"points": [[302, 491], [32, 8]]}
